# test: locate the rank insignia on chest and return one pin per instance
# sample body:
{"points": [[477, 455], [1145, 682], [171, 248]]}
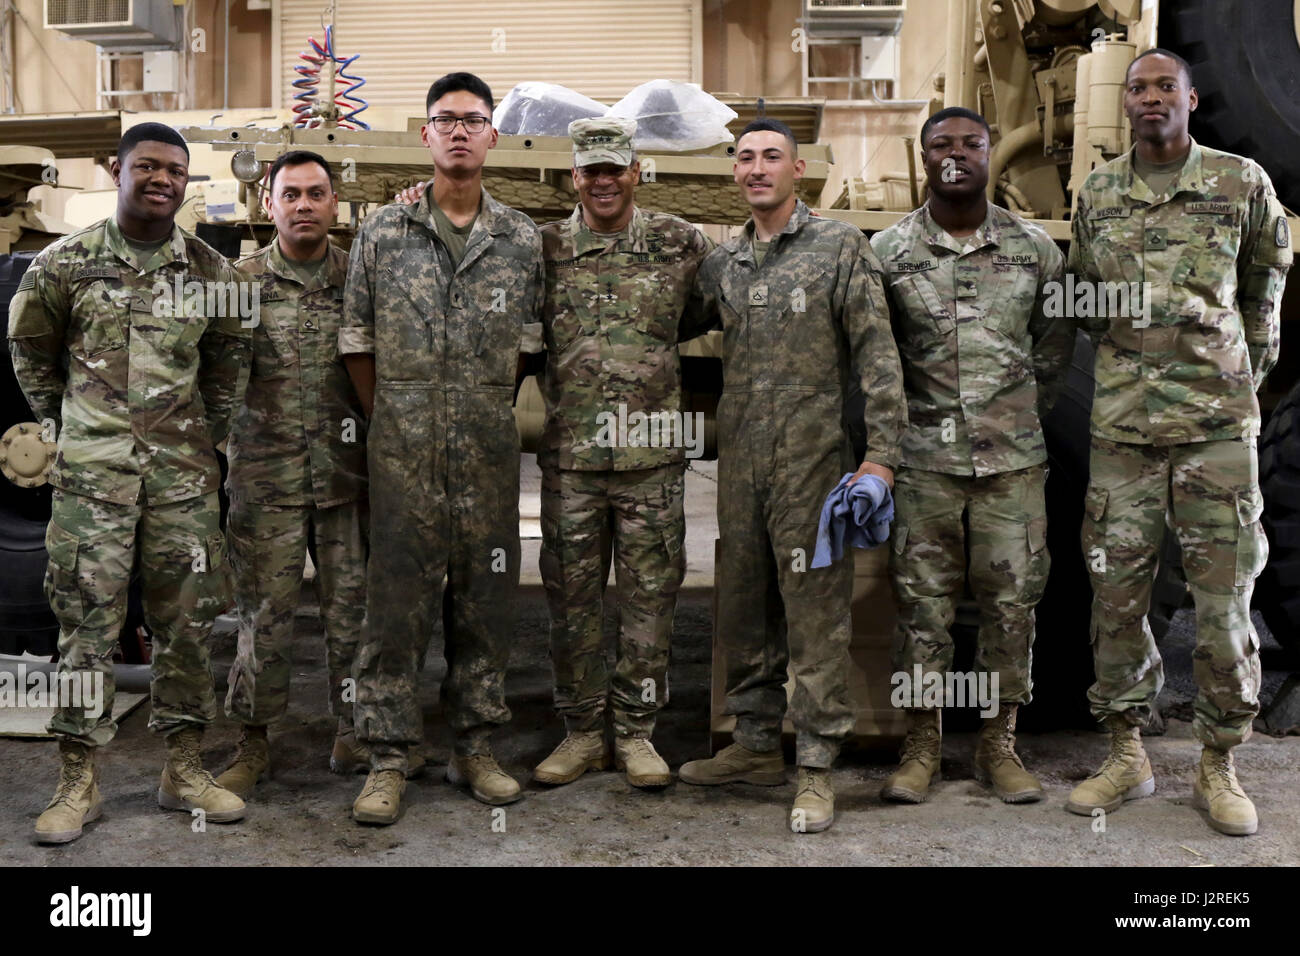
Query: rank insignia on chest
{"points": [[1156, 240], [758, 294]]}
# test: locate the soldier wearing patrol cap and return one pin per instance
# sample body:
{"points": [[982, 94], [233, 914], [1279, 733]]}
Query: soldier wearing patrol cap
{"points": [[617, 280], [1174, 426], [981, 366]]}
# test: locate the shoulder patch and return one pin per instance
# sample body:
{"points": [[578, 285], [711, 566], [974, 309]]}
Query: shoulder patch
{"points": [[1213, 208], [1281, 233], [28, 281]]}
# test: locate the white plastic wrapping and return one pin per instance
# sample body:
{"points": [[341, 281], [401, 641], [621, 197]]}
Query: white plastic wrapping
{"points": [[674, 116], [542, 109]]}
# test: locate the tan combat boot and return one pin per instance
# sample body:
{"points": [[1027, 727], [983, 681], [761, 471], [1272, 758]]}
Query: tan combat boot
{"points": [[644, 766], [814, 801], [1216, 790], [576, 754], [185, 785], [252, 759], [918, 758], [1125, 774], [736, 764], [350, 755], [76, 800], [997, 762], [381, 797], [485, 778]]}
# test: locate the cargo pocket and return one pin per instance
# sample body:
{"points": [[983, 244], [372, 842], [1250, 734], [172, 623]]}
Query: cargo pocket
{"points": [[62, 587], [1252, 544], [209, 561], [1037, 532]]}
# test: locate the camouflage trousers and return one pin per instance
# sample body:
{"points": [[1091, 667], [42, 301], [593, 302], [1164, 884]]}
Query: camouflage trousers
{"points": [[636, 518], [444, 547], [181, 554], [267, 548], [1208, 492], [778, 617], [1007, 516]]}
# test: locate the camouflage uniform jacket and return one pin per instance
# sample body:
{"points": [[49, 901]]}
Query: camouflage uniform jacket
{"points": [[299, 437], [139, 389], [446, 339], [1214, 254], [610, 322], [982, 363], [796, 330]]}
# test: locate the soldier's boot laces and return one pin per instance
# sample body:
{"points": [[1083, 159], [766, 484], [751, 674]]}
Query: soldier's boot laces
{"points": [[76, 799], [997, 762], [642, 763], [918, 758], [1124, 775], [1217, 790], [252, 759], [350, 755], [485, 778], [736, 764], [577, 753], [814, 801], [381, 797], [185, 785]]}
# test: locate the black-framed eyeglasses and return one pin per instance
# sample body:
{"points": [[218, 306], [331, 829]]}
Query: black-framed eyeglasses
{"points": [[445, 124]]}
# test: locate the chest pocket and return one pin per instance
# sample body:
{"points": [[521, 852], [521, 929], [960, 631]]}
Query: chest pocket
{"points": [[1209, 261], [1012, 301], [107, 305], [409, 295], [1117, 247], [926, 317], [187, 319]]}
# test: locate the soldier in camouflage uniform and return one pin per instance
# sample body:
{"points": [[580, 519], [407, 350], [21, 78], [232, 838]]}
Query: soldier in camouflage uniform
{"points": [[617, 280], [981, 367], [297, 472], [1174, 426], [441, 295], [803, 313], [137, 384]]}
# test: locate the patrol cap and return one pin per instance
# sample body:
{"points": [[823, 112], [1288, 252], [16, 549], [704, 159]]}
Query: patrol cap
{"points": [[602, 139]]}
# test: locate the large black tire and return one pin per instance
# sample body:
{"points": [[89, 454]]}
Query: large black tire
{"points": [[1277, 591], [26, 621], [1246, 68]]}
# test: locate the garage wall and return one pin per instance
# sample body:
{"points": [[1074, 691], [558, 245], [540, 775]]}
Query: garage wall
{"points": [[601, 48]]}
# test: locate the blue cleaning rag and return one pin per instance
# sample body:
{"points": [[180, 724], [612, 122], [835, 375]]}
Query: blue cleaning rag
{"points": [[856, 515]]}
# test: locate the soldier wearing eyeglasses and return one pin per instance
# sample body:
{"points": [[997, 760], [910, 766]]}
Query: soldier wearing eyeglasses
{"points": [[440, 296]]}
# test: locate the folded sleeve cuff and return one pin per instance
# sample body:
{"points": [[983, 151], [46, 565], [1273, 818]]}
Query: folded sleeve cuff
{"points": [[356, 340]]}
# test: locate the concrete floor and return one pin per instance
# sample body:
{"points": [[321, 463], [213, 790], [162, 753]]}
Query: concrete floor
{"points": [[300, 815]]}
